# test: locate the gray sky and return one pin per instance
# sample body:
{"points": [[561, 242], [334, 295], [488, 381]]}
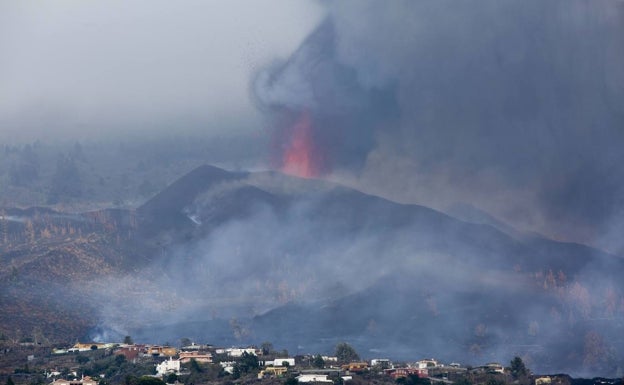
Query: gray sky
{"points": [[72, 68]]}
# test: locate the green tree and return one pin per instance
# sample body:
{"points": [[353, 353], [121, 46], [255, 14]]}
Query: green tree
{"points": [[267, 348], [119, 359], [291, 381], [318, 362], [518, 369], [66, 182], [171, 378], [130, 380], [247, 363], [82, 359], [195, 367], [236, 372], [26, 170], [494, 381], [9, 381], [346, 353], [147, 380]]}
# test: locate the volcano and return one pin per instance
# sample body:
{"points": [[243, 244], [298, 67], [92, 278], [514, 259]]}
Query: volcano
{"points": [[246, 257]]}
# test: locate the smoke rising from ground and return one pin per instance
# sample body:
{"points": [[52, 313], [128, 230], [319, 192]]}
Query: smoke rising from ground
{"points": [[305, 264], [514, 106]]}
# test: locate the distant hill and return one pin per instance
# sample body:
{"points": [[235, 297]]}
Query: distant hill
{"points": [[238, 258]]}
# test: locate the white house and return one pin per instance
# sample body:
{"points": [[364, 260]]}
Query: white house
{"points": [[53, 373], [313, 378], [281, 361], [228, 366], [169, 366], [428, 364], [383, 363], [494, 367], [237, 352]]}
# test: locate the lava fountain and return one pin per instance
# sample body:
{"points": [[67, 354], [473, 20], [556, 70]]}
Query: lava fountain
{"points": [[301, 156]]}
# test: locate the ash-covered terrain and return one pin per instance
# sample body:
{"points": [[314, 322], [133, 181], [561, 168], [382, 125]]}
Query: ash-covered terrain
{"points": [[246, 257]]}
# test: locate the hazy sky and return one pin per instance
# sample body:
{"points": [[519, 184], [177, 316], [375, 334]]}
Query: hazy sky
{"points": [[73, 68]]}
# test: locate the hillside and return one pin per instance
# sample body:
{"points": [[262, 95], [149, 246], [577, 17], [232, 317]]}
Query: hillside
{"points": [[239, 258]]}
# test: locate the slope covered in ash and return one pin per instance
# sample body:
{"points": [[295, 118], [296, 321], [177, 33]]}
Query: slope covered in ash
{"points": [[51, 263], [405, 279], [237, 258], [165, 211]]}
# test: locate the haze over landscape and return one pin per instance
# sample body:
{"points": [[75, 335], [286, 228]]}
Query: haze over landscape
{"points": [[419, 178]]}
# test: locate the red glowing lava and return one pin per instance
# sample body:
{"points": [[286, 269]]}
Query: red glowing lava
{"points": [[301, 156]]}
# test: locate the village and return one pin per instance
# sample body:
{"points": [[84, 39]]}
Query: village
{"points": [[129, 363]]}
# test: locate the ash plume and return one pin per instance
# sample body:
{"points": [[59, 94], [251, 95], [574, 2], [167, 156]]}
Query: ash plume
{"points": [[440, 102]]}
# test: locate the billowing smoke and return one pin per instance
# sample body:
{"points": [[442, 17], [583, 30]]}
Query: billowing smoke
{"points": [[306, 264], [437, 102], [315, 89]]}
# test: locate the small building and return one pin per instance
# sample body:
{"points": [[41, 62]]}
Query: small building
{"points": [[282, 362], [428, 364], [272, 371], [382, 363], [131, 352], [313, 378], [167, 351], [238, 352], [192, 346], [355, 367], [86, 346], [53, 373], [494, 367], [228, 367], [404, 372], [186, 357], [168, 366], [86, 380]]}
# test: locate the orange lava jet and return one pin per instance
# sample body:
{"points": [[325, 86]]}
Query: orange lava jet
{"points": [[300, 157]]}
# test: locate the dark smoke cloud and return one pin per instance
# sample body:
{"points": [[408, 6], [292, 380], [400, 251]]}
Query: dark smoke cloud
{"points": [[345, 113], [516, 106]]}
